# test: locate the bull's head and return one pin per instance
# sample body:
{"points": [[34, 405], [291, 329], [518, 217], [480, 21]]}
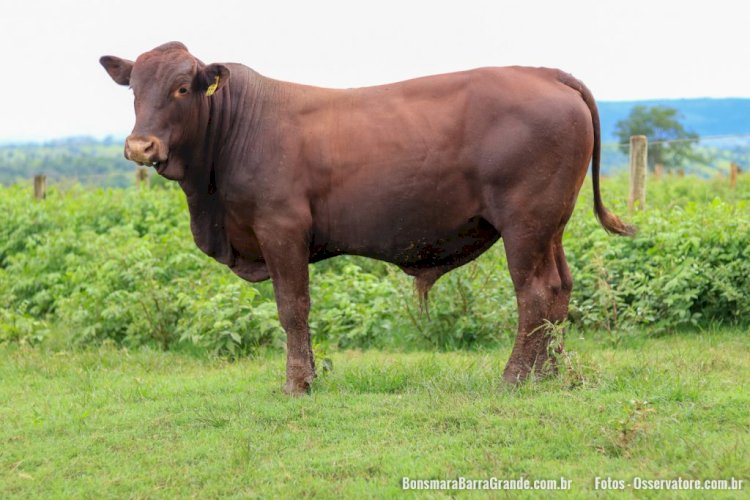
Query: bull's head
{"points": [[170, 87]]}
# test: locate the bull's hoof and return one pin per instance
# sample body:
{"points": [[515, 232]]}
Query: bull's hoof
{"points": [[299, 387], [299, 377], [296, 388], [515, 374]]}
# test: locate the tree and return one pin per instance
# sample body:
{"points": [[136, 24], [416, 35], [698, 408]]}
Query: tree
{"points": [[669, 145]]}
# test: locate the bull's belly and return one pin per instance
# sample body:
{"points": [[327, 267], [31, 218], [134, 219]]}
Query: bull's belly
{"points": [[414, 221], [415, 248]]}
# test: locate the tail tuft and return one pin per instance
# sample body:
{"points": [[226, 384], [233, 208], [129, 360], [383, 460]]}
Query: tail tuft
{"points": [[613, 224]]}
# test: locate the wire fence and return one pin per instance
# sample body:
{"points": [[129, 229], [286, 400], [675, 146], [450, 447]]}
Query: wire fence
{"points": [[707, 156], [695, 140]]}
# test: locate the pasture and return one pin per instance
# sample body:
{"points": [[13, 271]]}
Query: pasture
{"points": [[132, 365], [157, 424]]}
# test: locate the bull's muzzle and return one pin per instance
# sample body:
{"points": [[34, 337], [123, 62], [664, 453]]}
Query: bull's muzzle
{"points": [[145, 150]]}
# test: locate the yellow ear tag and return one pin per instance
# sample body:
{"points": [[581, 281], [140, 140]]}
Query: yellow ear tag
{"points": [[212, 88]]}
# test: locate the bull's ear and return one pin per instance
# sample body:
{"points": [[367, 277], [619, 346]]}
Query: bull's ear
{"points": [[212, 78], [118, 69]]}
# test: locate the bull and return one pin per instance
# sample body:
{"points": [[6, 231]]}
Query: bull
{"points": [[426, 174]]}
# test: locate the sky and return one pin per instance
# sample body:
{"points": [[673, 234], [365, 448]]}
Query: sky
{"points": [[53, 86]]}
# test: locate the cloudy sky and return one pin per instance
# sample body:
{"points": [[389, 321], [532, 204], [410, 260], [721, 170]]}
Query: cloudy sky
{"points": [[53, 86]]}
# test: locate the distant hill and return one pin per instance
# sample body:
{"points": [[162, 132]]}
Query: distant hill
{"points": [[84, 159], [706, 117], [101, 163]]}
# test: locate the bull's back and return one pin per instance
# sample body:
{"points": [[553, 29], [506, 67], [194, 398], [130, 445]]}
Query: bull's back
{"points": [[439, 125]]}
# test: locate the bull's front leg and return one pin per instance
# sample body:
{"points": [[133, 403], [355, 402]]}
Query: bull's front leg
{"points": [[287, 258]]}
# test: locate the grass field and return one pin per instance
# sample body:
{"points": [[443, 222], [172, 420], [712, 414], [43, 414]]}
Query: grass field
{"points": [[114, 423]]}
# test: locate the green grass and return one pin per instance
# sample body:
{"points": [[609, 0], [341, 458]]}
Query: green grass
{"points": [[142, 423]]}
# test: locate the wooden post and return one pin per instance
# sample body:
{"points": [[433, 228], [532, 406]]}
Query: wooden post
{"points": [[40, 187], [734, 171], [658, 170], [638, 161], [141, 177]]}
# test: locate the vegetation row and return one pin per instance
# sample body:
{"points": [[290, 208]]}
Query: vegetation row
{"points": [[87, 266]]}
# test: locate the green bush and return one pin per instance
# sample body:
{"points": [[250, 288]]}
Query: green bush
{"points": [[688, 265], [85, 266], [121, 265]]}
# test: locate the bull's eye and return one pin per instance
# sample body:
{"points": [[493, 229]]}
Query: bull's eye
{"points": [[182, 90]]}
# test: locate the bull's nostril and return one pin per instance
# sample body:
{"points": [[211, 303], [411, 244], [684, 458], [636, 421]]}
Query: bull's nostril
{"points": [[142, 149]]}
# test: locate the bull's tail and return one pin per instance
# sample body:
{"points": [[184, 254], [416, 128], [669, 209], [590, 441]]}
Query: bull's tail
{"points": [[607, 219]]}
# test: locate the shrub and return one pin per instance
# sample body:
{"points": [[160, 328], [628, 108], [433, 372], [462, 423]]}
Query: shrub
{"points": [[87, 266]]}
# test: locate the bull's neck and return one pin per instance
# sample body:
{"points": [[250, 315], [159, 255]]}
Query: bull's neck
{"points": [[231, 124]]}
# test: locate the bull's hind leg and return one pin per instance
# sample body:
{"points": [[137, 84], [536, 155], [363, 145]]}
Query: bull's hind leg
{"points": [[542, 282], [559, 311]]}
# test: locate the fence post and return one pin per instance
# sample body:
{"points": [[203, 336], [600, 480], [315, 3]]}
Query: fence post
{"points": [[658, 170], [638, 161], [734, 171], [40, 187], [141, 177]]}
